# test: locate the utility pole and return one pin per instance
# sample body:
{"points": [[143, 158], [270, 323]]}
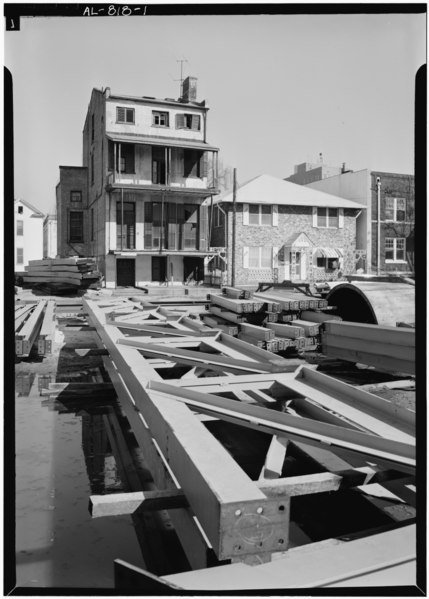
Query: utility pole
{"points": [[378, 224], [234, 214]]}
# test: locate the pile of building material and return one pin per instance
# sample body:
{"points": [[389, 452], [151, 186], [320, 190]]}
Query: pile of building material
{"points": [[61, 274], [34, 321], [273, 322], [179, 385]]}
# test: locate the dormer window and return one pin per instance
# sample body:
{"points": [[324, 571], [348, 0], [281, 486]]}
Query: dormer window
{"points": [[188, 121], [160, 119], [124, 115]]}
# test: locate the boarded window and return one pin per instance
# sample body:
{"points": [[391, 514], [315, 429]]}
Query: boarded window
{"points": [[124, 115], [76, 226], [125, 225], [20, 255], [20, 227]]}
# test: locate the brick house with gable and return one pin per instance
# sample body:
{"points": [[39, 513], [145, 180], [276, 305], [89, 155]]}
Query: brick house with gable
{"points": [[284, 231]]}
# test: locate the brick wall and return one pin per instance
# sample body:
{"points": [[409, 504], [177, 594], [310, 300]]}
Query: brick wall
{"points": [[292, 220], [393, 185], [72, 178]]}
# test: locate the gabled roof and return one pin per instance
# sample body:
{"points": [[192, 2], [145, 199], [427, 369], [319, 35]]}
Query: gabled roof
{"points": [[266, 189], [30, 207]]}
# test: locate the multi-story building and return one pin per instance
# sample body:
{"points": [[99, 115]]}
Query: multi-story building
{"points": [[28, 234], [284, 231], [385, 231], [50, 236], [307, 172], [136, 203]]}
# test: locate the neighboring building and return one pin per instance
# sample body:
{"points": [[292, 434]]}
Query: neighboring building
{"points": [[50, 236], [307, 172], [28, 234], [285, 232], [147, 168], [395, 193]]}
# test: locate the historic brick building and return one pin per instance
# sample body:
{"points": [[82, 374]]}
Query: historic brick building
{"points": [[385, 231], [284, 232], [147, 169]]}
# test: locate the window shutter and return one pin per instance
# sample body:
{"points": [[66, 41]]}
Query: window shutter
{"points": [[245, 257], [275, 256], [195, 122], [180, 121], [130, 115], [314, 216], [275, 215], [245, 214], [203, 164], [341, 218], [120, 114]]}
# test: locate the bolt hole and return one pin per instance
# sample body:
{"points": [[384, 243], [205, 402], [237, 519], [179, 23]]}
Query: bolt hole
{"points": [[281, 541], [260, 544], [281, 508]]}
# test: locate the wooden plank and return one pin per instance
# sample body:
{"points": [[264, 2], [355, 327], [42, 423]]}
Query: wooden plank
{"points": [[216, 488], [258, 353], [120, 504], [227, 315], [26, 337], [235, 293], [396, 352]]}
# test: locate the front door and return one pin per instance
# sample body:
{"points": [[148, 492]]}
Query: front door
{"points": [[159, 268], [125, 272]]}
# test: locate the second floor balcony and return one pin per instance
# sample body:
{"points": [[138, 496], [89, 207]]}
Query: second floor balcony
{"points": [[192, 166]]}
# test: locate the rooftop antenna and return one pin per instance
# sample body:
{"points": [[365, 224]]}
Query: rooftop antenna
{"points": [[181, 75]]}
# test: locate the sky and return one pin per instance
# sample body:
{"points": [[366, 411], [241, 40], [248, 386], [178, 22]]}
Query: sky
{"points": [[281, 88]]}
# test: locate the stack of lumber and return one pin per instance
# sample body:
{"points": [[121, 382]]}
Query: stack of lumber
{"points": [[62, 273], [34, 321], [273, 321]]}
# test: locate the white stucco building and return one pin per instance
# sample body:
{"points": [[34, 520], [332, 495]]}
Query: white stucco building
{"points": [[28, 233]]}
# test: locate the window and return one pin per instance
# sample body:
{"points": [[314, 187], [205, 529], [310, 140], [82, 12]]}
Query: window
{"points": [[192, 163], [160, 119], [20, 209], [92, 169], [219, 217], [327, 263], [76, 226], [92, 127], [20, 255], [126, 228], [327, 218], [76, 196], [20, 227], [260, 257], [395, 209], [395, 249], [259, 214], [188, 121], [92, 224], [124, 115], [159, 171]]}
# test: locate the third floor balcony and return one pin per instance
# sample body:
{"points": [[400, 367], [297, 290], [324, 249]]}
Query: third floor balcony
{"points": [[191, 166]]}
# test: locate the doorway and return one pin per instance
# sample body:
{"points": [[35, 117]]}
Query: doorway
{"points": [[159, 268], [193, 269], [125, 272]]}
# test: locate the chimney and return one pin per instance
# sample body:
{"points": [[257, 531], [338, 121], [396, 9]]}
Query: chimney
{"points": [[343, 168], [189, 90]]}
